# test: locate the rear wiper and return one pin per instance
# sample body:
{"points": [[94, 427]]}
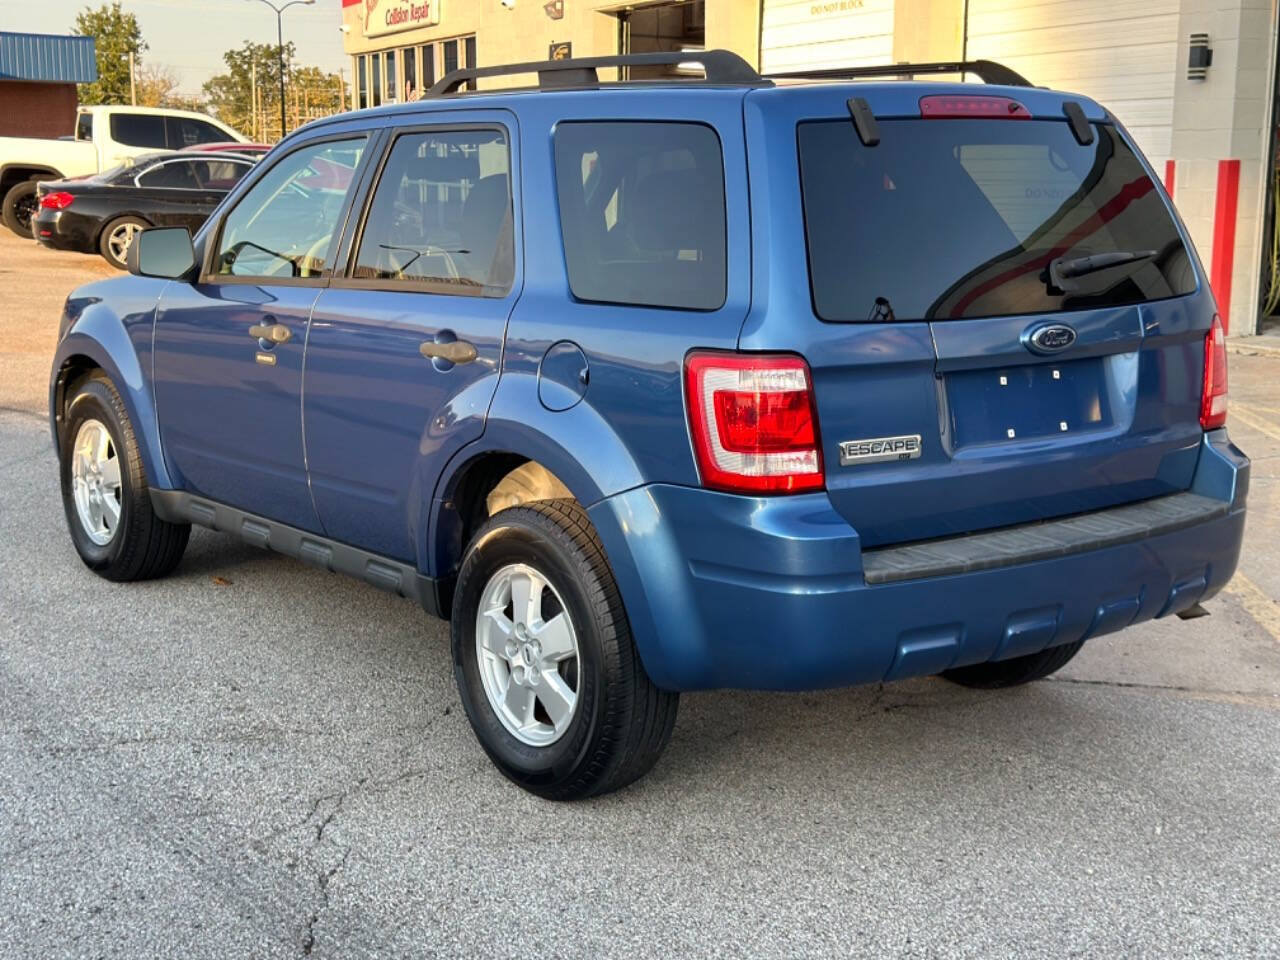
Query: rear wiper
{"points": [[1061, 271]]}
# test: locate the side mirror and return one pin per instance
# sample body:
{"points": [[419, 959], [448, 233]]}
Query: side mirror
{"points": [[163, 252]]}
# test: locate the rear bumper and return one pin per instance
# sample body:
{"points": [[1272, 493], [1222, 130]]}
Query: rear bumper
{"points": [[65, 230], [730, 591]]}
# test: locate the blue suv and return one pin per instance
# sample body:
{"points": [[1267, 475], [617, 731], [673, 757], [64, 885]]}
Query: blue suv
{"points": [[663, 385]]}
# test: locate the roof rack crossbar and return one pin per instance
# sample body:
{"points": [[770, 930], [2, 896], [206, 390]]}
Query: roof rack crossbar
{"points": [[719, 66], [987, 70]]}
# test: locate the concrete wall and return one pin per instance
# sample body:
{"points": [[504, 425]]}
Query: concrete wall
{"points": [[37, 109]]}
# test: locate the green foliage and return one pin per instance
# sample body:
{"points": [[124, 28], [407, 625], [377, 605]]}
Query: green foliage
{"points": [[116, 34], [309, 93]]}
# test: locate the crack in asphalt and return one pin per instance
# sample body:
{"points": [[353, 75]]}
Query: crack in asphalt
{"points": [[1170, 687]]}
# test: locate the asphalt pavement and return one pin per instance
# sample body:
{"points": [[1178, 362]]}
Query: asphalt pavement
{"points": [[252, 758]]}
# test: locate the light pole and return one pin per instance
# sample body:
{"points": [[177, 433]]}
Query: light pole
{"points": [[280, 46]]}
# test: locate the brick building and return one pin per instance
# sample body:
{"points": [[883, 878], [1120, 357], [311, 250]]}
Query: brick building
{"points": [[38, 77]]}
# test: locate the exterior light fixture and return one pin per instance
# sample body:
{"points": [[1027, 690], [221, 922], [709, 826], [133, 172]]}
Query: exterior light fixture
{"points": [[1200, 58]]}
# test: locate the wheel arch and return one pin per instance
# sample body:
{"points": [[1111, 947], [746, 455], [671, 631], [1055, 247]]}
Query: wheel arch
{"points": [[99, 343], [15, 173]]}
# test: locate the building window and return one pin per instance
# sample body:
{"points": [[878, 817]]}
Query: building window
{"points": [[471, 58], [375, 80], [411, 91], [393, 93], [450, 56], [428, 65], [362, 84]]}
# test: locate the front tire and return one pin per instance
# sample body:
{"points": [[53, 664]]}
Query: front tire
{"points": [[116, 238], [105, 493], [1016, 670], [19, 207], [544, 660]]}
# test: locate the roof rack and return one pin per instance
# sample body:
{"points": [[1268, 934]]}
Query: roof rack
{"points": [[719, 66], [987, 70]]}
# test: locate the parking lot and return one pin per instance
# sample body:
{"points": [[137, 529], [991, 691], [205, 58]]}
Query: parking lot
{"points": [[255, 759]]}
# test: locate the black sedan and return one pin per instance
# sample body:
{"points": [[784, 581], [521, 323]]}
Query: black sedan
{"points": [[103, 213]]}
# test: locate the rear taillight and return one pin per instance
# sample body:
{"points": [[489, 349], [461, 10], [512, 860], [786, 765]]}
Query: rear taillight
{"points": [[753, 422], [1213, 401], [56, 201], [946, 105]]}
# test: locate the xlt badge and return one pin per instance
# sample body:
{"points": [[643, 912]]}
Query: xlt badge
{"points": [[878, 449]]}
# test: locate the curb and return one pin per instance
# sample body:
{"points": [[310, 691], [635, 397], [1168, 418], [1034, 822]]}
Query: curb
{"points": [[1244, 348]]}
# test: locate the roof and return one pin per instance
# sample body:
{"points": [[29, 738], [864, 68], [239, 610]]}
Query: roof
{"points": [[47, 58]]}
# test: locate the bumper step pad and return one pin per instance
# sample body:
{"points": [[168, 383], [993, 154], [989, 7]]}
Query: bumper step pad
{"points": [[1043, 540]]}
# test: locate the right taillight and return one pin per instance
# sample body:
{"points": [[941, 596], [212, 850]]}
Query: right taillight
{"points": [[56, 201], [1213, 401], [753, 424]]}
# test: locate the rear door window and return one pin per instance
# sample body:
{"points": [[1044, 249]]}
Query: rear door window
{"points": [[187, 132], [954, 218], [642, 213], [138, 130], [440, 219]]}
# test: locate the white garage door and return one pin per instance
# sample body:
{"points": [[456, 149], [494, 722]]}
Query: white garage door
{"points": [[814, 34], [1123, 53]]}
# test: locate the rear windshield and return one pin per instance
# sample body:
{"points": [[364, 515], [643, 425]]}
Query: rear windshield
{"points": [[956, 218]]}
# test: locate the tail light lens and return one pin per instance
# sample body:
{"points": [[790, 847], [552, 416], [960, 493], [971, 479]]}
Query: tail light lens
{"points": [[753, 423], [1213, 401], [56, 201]]}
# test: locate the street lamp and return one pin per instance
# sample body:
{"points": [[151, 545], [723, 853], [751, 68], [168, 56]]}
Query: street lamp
{"points": [[280, 46]]}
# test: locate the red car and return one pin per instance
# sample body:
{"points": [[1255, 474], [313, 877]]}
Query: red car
{"points": [[249, 149]]}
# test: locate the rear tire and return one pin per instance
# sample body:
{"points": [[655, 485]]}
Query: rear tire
{"points": [[116, 236], [1015, 671], [19, 208], [590, 720], [105, 493]]}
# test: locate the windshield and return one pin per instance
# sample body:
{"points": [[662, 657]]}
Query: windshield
{"points": [[954, 218]]}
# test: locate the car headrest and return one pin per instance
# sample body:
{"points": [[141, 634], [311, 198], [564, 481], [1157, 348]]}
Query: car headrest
{"points": [[485, 220]]}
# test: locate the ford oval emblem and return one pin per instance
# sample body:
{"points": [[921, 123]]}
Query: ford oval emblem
{"points": [[1050, 338]]}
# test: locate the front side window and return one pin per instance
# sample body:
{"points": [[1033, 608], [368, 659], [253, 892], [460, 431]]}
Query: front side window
{"points": [[138, 130], [440, 219], [187, 132], [284, 225], [947, 219], [642, 213]]}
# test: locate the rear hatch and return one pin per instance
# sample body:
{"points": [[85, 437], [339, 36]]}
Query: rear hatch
{"points": [[1002, 321]]}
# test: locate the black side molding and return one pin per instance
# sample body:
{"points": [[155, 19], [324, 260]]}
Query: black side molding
{"points": [[1045, 540], [864, 121], [1080, 126], [177, 506]]}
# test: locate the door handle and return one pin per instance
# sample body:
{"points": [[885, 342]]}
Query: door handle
{"points": [[273, 333], [456, 351]]}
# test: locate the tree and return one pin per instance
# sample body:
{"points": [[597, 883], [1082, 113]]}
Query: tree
{"points": [[310, 92], [116, 35]]}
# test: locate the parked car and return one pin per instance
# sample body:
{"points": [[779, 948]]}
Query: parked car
{"points": [[104, 138], [247, 149], [670, 386], [103, 214]]}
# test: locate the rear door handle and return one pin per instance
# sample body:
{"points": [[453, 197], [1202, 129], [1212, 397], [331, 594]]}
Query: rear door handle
{"points": [[272, 333], [456, 351]]}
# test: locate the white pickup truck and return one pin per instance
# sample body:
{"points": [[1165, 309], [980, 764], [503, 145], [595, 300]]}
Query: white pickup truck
{"points": [[104, 137]]}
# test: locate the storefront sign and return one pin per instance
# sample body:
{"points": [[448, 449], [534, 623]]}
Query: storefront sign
{"points": [[391, 16]]}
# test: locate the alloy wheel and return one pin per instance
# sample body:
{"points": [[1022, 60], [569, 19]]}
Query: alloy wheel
{"points": [[527, 650], [121, 239], [95, 481]]}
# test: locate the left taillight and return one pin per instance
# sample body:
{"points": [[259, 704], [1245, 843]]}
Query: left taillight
{"points": [[56, 201], [753, 423], [1213, 398]]}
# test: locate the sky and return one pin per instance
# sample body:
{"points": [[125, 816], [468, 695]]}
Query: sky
{"points": [[190, 36]]}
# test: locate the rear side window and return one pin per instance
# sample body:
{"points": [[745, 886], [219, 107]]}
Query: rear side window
{"points": [[84, 126], [440, 218], [138, 130], [642, 213], [954, 218]]}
